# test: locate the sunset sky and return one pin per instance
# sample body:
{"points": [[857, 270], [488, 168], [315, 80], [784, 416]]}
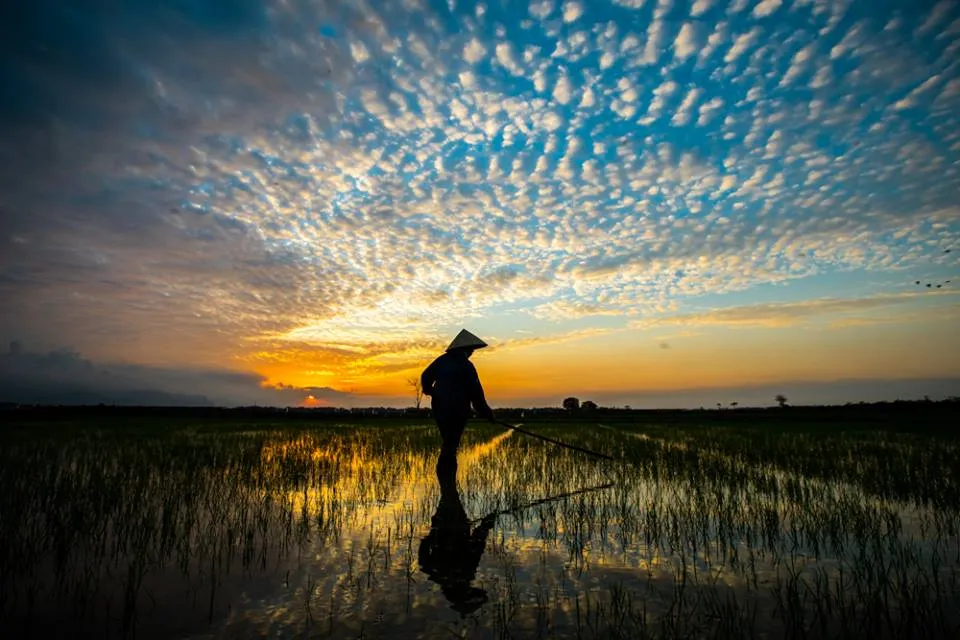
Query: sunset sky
{"points": [[644, 202]]}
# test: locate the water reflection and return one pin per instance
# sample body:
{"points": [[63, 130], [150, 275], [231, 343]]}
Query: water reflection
{"points": [[355, 532], [450, 553]]}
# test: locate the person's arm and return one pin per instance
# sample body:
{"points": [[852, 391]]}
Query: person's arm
{"points": [[477, 398], [428, 379]]}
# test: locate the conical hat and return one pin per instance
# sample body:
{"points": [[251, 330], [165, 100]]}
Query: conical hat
{"points": [[466, 340]]}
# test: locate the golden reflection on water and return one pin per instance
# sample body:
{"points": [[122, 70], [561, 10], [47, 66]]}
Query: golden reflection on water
{"points": [[415, 483], [374, 547], [646, 533], [321, 533]]}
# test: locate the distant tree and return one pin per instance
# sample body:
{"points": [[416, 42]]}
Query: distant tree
{"points": [[571, 404], [417, 390], [781, 400], [588, 405], [733, 404], [719, 405]]}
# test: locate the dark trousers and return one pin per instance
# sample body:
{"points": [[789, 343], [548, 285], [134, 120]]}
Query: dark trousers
{"points": [[451, 430]]}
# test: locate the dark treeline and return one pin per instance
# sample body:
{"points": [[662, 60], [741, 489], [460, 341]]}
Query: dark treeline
{"points": [[900, 414]]}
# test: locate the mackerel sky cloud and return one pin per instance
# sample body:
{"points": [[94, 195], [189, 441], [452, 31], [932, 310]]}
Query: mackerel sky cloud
{"points": [[322, 193]]}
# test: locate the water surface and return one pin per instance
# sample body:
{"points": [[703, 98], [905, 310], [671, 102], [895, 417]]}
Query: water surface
{"points": [[351, 531]]}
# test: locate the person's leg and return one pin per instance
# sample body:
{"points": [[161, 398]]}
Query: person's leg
{"points": [[447, 467], [451, 430]]}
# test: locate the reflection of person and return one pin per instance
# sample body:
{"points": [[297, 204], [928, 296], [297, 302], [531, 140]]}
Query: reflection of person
{"points": [[453, 385], [451, 552]]}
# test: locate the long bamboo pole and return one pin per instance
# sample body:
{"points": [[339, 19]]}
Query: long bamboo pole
{"points": [[535, 503], [557, 442]]}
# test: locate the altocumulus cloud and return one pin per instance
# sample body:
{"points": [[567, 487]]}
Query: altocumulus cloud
{"points": [[234, 178]]}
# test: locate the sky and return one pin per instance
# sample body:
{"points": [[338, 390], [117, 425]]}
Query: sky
{"points": [[643, 202]]}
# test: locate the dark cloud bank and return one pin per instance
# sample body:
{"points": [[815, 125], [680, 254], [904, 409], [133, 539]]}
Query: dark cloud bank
{"points": [[64, 377]]}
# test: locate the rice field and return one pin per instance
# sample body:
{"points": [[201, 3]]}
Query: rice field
{"points": [[349, 531]]}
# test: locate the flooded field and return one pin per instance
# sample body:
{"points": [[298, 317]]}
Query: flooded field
{"points": [[350, 531]]}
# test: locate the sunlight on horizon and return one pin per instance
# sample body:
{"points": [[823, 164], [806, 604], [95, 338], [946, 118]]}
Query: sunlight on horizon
{"points": [[271, 202]]}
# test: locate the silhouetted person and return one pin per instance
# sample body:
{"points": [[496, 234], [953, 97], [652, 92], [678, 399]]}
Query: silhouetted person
{"points": [[453, 385], [451, 552]]}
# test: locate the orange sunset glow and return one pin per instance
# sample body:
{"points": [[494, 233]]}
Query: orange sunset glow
{"points": [[661, 203]]}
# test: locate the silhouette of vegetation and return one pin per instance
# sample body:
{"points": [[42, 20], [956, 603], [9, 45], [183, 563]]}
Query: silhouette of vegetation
{"points": [[901, 415], [415, 384], [781, 400], [571, 403], [164, 528], [589, 405]]}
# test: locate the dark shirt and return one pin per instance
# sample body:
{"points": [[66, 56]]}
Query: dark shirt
{"points": [[453, 385]]}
